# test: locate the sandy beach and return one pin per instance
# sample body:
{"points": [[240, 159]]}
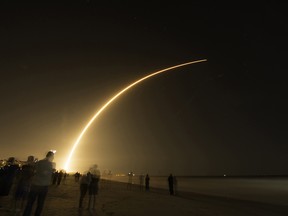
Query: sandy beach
{"points": [[115, 199]]}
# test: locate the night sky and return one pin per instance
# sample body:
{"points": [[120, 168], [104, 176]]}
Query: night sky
{"points": [[59, 63]]}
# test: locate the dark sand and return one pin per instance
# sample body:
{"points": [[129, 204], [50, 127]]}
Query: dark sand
{"points": [[115, 199]]}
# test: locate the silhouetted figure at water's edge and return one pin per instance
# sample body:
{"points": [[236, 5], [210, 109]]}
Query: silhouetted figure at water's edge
{"points": [[141, 181], [170, 184], [130, 180], [147, 182]]}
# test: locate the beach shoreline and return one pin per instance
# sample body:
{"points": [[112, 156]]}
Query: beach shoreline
{"points": [[115, 199]]}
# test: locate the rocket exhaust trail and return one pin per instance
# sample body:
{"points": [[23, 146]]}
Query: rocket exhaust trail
{"points": [[116, 96]]}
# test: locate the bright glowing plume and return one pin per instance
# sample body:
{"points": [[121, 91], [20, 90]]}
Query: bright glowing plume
{"points": [[116, 96]]}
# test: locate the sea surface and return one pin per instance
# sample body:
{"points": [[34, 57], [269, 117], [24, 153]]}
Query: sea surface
{"points": [[272, 190]]}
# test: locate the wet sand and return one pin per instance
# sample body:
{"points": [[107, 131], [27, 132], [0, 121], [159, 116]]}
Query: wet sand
{"points": [[115, 199]]}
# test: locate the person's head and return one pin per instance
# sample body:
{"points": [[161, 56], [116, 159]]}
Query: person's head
{"points": [[30, 159], [11, 160], [50, 155]]}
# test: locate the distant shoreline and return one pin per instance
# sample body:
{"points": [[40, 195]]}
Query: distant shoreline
{"points": [[227, 176], [232, 176]]}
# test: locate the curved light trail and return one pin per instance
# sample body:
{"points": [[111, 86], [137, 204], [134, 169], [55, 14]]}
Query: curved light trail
{"points": [[116, 96]]}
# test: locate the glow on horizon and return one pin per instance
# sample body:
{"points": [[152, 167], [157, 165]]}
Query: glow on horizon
{"points": [[66, 167]]}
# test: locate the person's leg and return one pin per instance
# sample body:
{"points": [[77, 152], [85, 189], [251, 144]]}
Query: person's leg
{"points": [[25, 197], [90, 196], [90, 201], [94, 200], [171, 189], [81, 196], [83, 191], [41, 199], [31, 199]]}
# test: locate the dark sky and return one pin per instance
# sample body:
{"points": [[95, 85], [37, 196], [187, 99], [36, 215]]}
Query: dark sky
{"points": [[60, 63]]}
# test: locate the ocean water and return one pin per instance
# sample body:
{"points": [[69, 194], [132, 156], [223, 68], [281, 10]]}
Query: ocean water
{"points": [[272, 190]]}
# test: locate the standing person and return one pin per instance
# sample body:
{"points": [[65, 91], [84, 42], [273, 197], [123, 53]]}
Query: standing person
{"points": [[55, 177], [130, 180], [84, 185], [24, 182], [77, 176], [7, 176], [64, 177], [59, 178], [147, 182], [175, 183], [94, 186], [141, 181], [40, 182], [170, 183]]}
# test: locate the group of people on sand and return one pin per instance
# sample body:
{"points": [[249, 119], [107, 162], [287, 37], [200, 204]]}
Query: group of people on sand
{"points": [[33, 178], [31, 182], [143, 179], [58, 177], [172, 182]]}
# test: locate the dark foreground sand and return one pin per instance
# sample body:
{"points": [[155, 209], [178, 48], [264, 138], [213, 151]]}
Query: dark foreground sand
{"points": [[115, 199]]}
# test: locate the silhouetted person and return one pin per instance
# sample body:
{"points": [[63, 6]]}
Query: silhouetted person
{"points": [[141, 181], [59, 178], [84, 185], [64, 177], [77, 176], [130, 180], [147, 182], [23, 184], [55, 177], [170, 183], [94, 186], [175, 184], [40, 182], [7, 176]]}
